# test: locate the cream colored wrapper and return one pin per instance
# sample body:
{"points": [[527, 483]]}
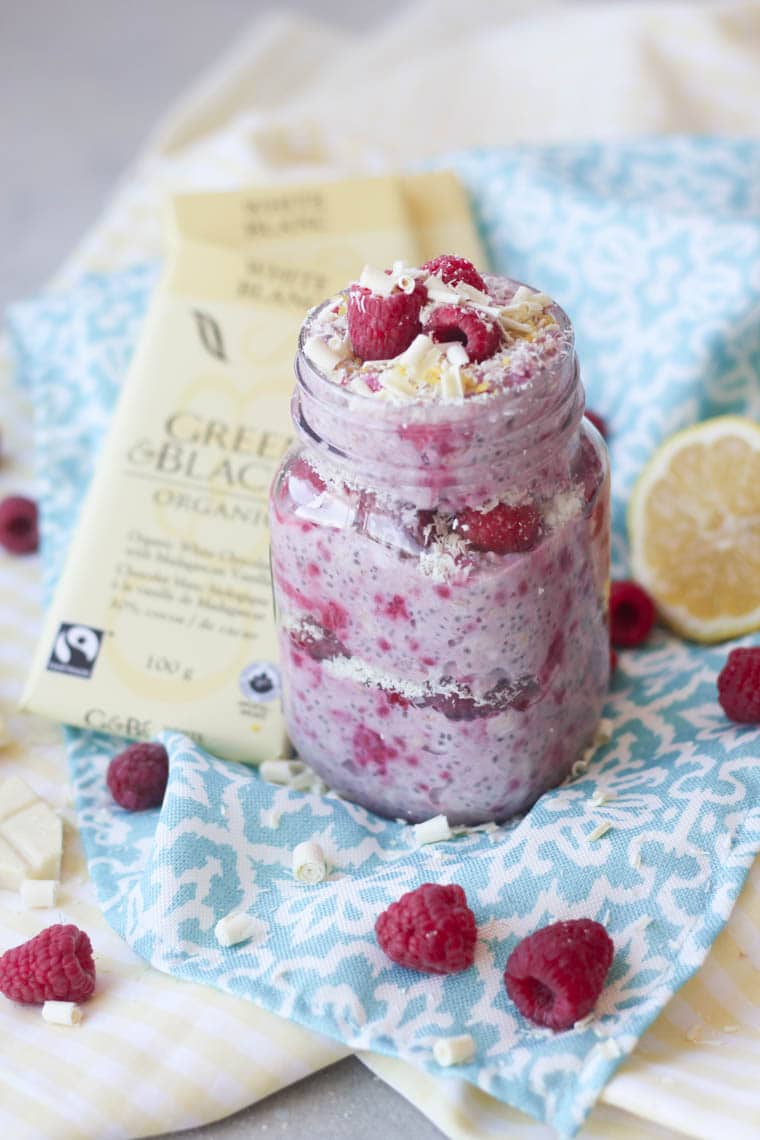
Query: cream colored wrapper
{"points": [[163, 615]]}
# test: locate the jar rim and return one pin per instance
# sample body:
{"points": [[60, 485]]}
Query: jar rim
{"points": [[402, 447]]}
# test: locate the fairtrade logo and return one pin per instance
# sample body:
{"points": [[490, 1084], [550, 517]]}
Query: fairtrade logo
{"points": [[75, 650], [260, 681]]}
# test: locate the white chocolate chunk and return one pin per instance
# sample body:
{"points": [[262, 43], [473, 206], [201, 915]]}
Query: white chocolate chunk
{"points": [[309, 865], [61, 1012], [15, 795], [31, 836], [435, 830], [454, 1050], [238, 927], [39, 893], [13, 870]]}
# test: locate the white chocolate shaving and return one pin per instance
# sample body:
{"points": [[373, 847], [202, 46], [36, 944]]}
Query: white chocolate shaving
{"points": [[438, 290], [600, 830], [238, 927], [435, 830], [454, 1050], [377, 281], [475, 296], [322, 354], [416, 352], [451, 384], [397, 384], [456, 353], [280, 771], [61, 1012], [39, 893], [309, 865]]}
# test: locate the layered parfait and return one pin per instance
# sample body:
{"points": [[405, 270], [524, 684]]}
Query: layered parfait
{"points": [[440, 546]]}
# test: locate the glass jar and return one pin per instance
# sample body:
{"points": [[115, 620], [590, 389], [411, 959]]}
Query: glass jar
{"points": [[424, 673]]}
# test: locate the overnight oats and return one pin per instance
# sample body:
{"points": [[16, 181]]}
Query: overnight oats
{"points": [[440, 546]]}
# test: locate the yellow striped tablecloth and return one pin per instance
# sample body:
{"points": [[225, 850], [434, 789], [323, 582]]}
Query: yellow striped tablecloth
{"points": [[156, 1054]]}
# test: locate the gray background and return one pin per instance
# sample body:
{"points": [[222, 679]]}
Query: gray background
{"points": [[82, 82]]}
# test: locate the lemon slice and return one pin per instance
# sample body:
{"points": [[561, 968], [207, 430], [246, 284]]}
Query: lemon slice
{"points": [[694, 524]]}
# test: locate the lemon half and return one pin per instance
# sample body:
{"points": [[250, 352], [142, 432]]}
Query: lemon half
{"points": [[694, 525]]}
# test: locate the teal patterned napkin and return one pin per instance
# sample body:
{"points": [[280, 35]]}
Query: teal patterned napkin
{"points": [[654, 250]]}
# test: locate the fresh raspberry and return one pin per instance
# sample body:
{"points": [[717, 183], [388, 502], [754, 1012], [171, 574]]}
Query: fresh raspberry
{"points": [[502, 530], [452, 270], [598, 421], [382, 327], [430, 929], [18, 525], [478, 333], [555, 975], [56, 965], [632, 614], [137, 776], [739, 686]]}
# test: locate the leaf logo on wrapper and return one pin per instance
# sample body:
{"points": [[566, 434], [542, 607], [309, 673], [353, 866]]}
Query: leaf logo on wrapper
{"points": [[75, 650]]}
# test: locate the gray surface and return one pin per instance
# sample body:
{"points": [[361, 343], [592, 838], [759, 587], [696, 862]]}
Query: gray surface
{"points": [[346, 1102], [81, 84]]}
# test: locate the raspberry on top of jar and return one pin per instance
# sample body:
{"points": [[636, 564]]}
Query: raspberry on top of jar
{"points": [[437, 333]]}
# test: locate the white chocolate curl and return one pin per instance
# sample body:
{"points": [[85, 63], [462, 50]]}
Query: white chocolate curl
{"points": [[309, 864], [237, 927], [454, 1050], [62, 1012]]}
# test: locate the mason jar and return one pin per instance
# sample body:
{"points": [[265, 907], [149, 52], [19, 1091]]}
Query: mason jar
{"points": [[429, 666]]}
